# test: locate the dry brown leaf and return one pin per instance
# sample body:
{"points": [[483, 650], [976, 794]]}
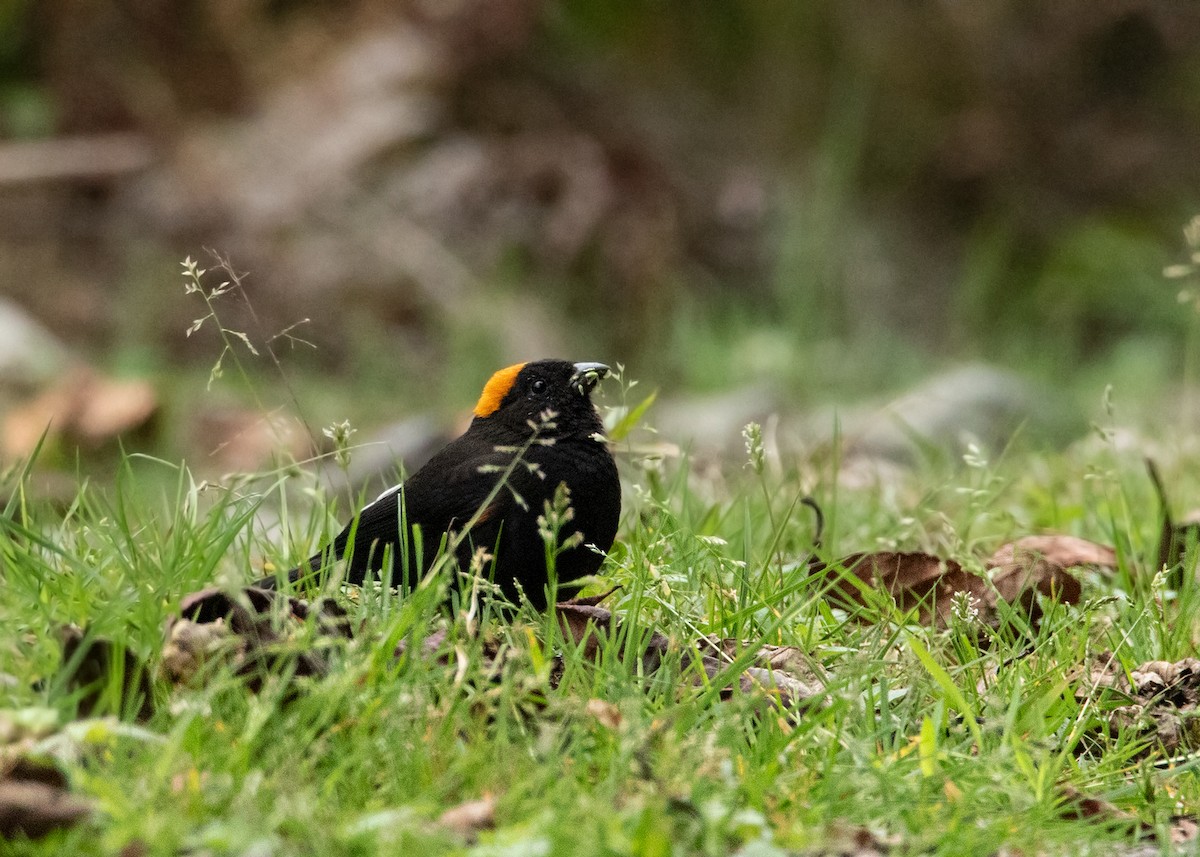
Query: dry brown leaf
{"points": [[34, 809], [1184, 829], [586, 624], [1158, 700], [467, 819], [35, 799], [84, 406], [915, 580], [24, 425], [1018, 582], [928, 584], [251, 629], [1075, 805], [606, 714], [843, 839], [790, 661], [1062, 550], [787, 691], [191, 646], [109, 407], [94, 660], [244, 440]]}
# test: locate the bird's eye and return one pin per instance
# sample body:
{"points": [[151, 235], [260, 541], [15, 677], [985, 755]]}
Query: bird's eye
{"points": [[538, 386]]}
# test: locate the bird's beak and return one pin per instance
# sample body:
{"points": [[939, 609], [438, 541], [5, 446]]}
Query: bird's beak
{"points": [[587, 376]]}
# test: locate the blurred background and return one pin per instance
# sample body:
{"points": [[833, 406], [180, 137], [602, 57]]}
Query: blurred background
{"points": [[756, 207]]}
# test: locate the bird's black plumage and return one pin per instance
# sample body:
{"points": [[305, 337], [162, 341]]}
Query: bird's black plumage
{"points": [[538, 413]]}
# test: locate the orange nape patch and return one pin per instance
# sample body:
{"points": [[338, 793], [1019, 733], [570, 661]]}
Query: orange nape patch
{"points": [[496, 389]]}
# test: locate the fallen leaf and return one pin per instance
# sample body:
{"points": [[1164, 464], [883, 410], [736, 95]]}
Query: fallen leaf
{"points": [[1018, 582], [928, 584], [790, 693], [1061, 550], [843, 839], [251, 629], [93, 662], [34, 809], [790, 661], [1157, 701], [468, 819], [916, 581], [606, 714], [35, 799], [83, 406], [191, 646], [1183, 829], [246, 441], [109, 407], [1076, 805], [585, 624]]}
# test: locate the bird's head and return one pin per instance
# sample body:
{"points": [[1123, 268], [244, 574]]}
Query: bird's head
{"points": [[520, 394]]}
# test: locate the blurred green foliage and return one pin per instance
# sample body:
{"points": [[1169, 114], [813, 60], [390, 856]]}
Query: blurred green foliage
{"points": [[941, 181], [1018, 172], [26, 109], [16, 18]]}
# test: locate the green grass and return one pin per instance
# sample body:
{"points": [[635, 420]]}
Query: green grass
{"points": [[931, 740]]}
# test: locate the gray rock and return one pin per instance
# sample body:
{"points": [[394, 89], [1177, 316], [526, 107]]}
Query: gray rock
{"points": [[712, 425], [30, 355], [975, 403]]}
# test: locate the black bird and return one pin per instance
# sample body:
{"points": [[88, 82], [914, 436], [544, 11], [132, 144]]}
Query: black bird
{"points": [[534, 429]]}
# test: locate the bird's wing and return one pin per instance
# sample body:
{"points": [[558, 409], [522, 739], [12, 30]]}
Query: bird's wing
{"points": [[448, 497], [446, 494]]}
